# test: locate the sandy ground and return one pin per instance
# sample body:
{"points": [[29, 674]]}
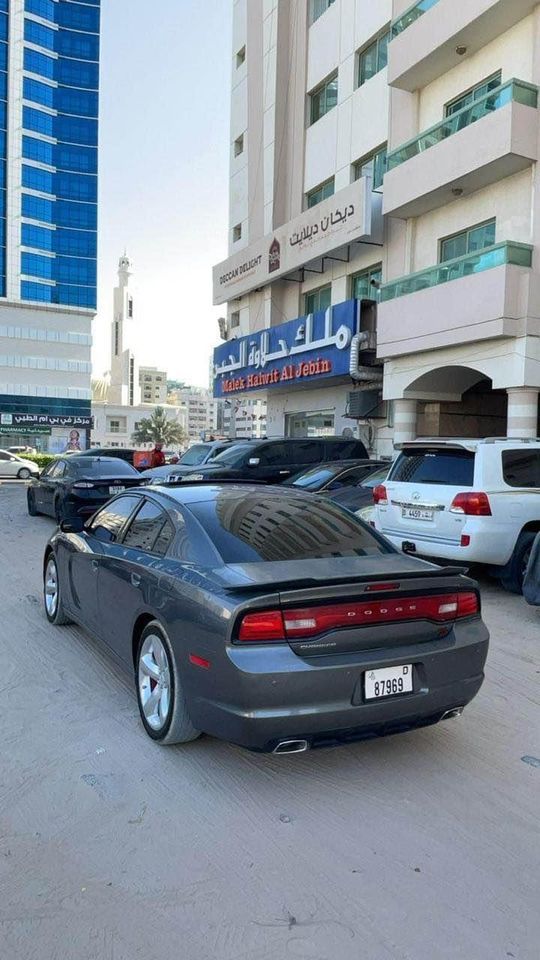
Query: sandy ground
{"points": [[418, 847]]}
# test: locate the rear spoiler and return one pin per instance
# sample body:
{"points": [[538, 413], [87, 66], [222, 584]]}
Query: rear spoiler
{"points": [[309, 582]]}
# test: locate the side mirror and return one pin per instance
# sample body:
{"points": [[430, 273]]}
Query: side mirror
{"points": [[72, 526], [254, 461]]}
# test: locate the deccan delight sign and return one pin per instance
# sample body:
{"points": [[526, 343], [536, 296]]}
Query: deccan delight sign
{"points": [[333, 223], [311, 348]]}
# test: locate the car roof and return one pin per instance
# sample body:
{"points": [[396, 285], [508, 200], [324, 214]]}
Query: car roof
{"points": [[207, 492], [464, 443], [92, 459]]}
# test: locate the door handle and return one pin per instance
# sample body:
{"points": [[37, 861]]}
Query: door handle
{"points": [[135, 580], [284, 473], [95, 565]]}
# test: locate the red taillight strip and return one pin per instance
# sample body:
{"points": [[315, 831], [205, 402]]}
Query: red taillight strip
{"points": [[306, 622]]}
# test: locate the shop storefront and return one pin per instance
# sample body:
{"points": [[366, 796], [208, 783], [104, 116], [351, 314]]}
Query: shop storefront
{"points": [[45, 433], [306, 367]]}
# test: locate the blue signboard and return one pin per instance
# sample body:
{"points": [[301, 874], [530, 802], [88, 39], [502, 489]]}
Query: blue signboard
{"points": [[306, 350]]}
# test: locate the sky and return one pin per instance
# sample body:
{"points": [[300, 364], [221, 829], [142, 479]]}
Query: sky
{"points": [[164, 175]]}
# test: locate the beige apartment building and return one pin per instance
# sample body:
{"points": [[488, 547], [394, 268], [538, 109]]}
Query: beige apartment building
{"points": [[384, 152]]}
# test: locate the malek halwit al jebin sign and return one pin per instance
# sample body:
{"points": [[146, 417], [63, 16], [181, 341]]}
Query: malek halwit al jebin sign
{"points": [[311, 348]]}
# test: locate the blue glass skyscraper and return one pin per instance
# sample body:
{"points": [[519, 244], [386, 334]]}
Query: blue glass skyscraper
{"points": [[49, 93]]}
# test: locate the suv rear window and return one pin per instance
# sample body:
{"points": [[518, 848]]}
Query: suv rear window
{"points": [[259, 527], [521, 468], [453, 468]]}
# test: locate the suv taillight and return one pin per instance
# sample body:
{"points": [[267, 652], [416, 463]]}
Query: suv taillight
{"points": [[471, 504], [307, 622], [380, 494]]}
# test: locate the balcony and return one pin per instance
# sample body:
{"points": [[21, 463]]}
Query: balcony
{"points": [[457, 155], [427, 36], [488, 297]]}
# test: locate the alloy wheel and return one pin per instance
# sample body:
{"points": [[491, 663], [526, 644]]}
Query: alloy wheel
{"points": [[154, 680], [51, 587]]}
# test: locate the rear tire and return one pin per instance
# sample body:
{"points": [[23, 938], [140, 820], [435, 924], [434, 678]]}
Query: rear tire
{"points": [[23, 474], [162, 703], [31, 500], [52, 595], [514, 574]]}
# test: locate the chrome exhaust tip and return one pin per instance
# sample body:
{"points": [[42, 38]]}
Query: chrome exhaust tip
{"points": [[453, 714], [291, 746]]}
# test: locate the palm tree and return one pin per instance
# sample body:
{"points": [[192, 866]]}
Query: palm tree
{"points": [[159, 429]]}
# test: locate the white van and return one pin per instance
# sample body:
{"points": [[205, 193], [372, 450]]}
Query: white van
{"points": [[471, 501]]}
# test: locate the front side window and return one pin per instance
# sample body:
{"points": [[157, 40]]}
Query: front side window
{"points": [[521, 468], [319, 299], [146, 528], [445, 467], [365, 285], [373, 166], [323, 99], [468, 241], [475, 93], [373, 59], [317, 8], [322, 192], [108, 523]]}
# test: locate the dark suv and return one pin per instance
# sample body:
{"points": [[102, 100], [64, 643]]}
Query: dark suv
{"points": [[272, 461]]}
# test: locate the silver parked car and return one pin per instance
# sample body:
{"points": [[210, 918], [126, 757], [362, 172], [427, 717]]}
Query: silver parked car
{"points": [[11, 465]]}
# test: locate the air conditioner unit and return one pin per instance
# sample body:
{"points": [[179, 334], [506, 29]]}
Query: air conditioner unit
{"points": [[366, 405]]}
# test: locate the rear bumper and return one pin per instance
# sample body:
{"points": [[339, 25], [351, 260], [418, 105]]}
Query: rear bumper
{"points": [[488, 548], [322, 700]]}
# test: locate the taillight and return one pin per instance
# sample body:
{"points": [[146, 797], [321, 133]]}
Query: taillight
{"points": [[307, 622], [380, 494], [471, 505], [258, 627]]}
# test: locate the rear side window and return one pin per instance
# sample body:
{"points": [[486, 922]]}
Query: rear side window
{"points": [[453, 468], [146, 530], [260, 527], [346, 450], [306, 452], [521, 468], [275, 453]]}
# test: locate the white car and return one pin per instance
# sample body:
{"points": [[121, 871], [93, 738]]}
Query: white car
{"points": [[470, 501], [13, 466]]}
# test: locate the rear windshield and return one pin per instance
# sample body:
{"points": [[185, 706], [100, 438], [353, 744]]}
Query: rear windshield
{"points": [[195, 455], [255, 527], [454, 468], [101, 468]]}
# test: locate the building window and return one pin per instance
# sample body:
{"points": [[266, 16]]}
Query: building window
{"points": [[239, 145], [475, 93], [116, 337], [374, 166], [468, 241], [317, 8], [237, 232], [365, 285], [322, 192], [373, 59], [319, 299], [241, 57], [130, 308], [235, 319], [114, 426], [131, 381], [323, 99]]}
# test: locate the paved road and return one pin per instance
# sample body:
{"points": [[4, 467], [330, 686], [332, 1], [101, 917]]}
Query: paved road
{"points": [[418, 847]]}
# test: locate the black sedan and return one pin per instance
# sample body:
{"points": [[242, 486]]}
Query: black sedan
{"points": [[78, 486], [349, 483], [267, 617]]}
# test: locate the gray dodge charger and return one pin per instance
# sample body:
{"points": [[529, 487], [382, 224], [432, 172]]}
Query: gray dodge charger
{"points": [[267, 617]]}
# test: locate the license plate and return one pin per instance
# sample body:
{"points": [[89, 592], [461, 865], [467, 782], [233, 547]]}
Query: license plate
{"points": [[417, 513], [113, 490], [388, 682]]}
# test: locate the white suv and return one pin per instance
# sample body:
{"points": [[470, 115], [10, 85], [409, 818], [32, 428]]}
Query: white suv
{"points": [[474, 501]]}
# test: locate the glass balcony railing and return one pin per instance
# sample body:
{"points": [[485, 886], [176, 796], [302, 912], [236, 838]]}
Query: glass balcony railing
{"points": [[513, 90], [411, 15], [519, 254]]}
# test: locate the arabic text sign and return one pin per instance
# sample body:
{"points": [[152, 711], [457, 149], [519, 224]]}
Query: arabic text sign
{"points": [[311, 348], [49, 420], [333, 223]]}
